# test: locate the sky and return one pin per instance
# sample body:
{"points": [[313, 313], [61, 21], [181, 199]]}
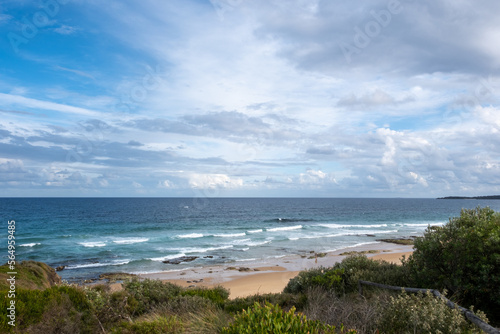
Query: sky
{"points": [[222, 98]]}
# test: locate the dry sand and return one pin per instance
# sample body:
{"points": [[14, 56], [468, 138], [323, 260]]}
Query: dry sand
{"points": [[270, 275]]}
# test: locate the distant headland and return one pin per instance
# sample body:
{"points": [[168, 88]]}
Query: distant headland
{"points": [[475, 197]]}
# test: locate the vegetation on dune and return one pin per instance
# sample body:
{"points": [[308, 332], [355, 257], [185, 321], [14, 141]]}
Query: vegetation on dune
{"points": [[30, 275], [271, 318], [422, 314], [462, 257]]}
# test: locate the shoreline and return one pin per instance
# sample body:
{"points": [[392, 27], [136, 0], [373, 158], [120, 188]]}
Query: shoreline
{"points": [[271, 275]]}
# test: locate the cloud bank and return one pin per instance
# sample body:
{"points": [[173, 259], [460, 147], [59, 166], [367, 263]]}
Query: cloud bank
{"points": [[251, 98]]}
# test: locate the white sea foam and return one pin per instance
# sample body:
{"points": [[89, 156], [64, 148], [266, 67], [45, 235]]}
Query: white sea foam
{"points": [[246, 260], [255, 231], [258, 243], [287, 228], [30, 244], [383, 232], [426, 224], [240, 242], [92, 244], [190, 236], [210, 249], [128, 241], [92, 265], [191, 250], [167, 257], [230, 235], [351, 225], [353, 246]]}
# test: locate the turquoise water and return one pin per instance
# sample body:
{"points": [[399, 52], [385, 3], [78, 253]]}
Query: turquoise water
{"points": [[96, 235]]}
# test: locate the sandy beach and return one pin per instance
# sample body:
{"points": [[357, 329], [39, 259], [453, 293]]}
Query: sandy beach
{"points": [[272, 275]]}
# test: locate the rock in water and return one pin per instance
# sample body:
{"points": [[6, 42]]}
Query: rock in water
{"points": [[181, 259]]}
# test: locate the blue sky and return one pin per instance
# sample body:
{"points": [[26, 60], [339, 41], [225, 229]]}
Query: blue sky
{"points": [[379, 98]]}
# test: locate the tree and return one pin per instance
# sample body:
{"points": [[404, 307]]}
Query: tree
{"points": [[463, 257]]}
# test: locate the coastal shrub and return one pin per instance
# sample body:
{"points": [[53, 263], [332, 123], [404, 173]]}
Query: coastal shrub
{"points": [[463, 256], [328, 278], [423, 313], [110, 308], [151, 293], [60, 309], [181, 305], [217, 295], [153, 324], [359, 267], [352, 310], [343, 277], [271, 318], [284, 300]]}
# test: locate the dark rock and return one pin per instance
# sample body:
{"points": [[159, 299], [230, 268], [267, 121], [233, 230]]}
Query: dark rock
{"points": [[60, 268], [181, 259], [244, 269], [208, 257]]}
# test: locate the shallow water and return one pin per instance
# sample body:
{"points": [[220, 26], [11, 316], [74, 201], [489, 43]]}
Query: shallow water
{"points": [[95, 235]]}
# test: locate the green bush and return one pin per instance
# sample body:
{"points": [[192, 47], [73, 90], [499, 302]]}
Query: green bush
{"points": [[110, 308], [60, 309], [462, 257], [218, 295], [327, 278], [343, 277], [419, 313], [272, 319], [359, 267], [151, 293]]}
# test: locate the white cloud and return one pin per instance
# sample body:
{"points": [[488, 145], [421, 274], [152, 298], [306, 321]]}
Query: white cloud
{"points": [[261, 99], [214, 181], [25, 102], [66, 30]]}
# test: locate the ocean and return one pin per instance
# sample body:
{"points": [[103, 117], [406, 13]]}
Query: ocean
{"points": [[90, 236]]}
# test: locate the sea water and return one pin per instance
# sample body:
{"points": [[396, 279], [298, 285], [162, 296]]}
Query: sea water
{"points": [[90, 236]]}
